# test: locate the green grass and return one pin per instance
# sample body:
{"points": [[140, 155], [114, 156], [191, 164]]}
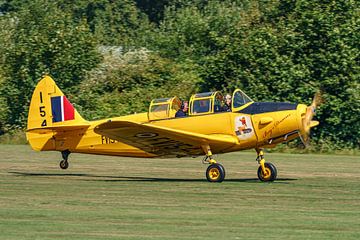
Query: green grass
{"points": [[14, 137], [315, 197]]}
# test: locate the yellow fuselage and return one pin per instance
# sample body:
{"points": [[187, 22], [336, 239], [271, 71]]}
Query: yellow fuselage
{"points": [[268, 129]]}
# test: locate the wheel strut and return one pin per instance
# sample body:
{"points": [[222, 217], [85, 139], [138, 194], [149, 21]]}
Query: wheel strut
{"points": [[65, 154], [261, 160], [208, 157], [267, 172], [64, 164], [215, 172]]}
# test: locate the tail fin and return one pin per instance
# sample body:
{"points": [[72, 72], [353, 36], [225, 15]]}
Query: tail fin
{"points": [[50, 111]]}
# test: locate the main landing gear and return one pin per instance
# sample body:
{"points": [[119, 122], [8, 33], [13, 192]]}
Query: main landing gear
{"points": [[64, 164], [267, 171], [215, 172]]}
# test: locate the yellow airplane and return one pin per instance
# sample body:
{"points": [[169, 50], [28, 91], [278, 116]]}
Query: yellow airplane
{"points": [[54, 125]]}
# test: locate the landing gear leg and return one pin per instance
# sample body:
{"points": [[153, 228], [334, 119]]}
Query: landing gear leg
{"points": [[64, 164], [215, 172], [267, 171]]}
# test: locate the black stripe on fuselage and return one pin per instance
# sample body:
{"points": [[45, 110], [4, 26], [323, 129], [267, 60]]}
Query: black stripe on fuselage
{"points": [[263, 107]]}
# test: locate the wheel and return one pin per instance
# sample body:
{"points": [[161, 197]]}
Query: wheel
{"points": [[64, 164], [270, 175], [215, 173]]}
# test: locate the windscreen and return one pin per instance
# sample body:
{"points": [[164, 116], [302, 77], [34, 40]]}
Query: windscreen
{"points": [[240, 99]]}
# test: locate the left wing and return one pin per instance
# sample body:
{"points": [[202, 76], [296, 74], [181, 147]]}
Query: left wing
{"points": [[164, 141]]}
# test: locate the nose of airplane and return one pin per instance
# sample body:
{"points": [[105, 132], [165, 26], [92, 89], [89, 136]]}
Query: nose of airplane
{"points": [[305, 116]]}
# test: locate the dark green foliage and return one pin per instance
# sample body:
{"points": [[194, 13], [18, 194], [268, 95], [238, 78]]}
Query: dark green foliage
{"points": [[155, 10], [112, 22], [274, 50], [127, 83], [43, 39]]}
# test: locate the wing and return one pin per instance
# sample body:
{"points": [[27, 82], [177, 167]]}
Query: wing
{"points": [[164, 141]]}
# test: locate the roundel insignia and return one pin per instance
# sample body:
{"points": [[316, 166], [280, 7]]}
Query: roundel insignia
{"points": [[146, 135]]}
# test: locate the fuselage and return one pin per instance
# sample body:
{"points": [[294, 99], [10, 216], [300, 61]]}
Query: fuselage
{"points": [[256, 125]]}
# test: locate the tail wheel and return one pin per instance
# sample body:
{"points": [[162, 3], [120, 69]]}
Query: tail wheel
{"points": [[270, 173], [215, 173], [64, 164]]}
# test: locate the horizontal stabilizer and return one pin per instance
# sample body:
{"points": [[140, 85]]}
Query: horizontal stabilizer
{"points": [[59, 128]]}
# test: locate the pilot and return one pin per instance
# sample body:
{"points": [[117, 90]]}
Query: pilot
{"points": [[227, 103], [182, 112]]}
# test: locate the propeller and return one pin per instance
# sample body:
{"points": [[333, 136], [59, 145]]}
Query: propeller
{"points": [[307, 121]]}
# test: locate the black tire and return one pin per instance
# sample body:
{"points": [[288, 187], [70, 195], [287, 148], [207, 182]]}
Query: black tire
{"points": [[272, 171], [64, 164], [220, 165], [215, 173]]}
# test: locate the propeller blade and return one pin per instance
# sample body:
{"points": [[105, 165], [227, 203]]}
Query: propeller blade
{"points": [[307, 122]]}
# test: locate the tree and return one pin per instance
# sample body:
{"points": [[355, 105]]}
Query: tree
{"points": [[44, 40], [155, 10], [114, 23], [126, 83], [276, 51]]}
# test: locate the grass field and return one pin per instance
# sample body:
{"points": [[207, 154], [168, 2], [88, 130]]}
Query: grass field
{"points": [[315, 197]]}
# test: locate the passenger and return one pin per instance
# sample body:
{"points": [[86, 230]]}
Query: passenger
{"points": [[204, 106], [227, 103], [182, 112]]}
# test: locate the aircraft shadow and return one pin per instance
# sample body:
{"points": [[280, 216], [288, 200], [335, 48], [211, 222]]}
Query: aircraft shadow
{"points": [[141, 179]]}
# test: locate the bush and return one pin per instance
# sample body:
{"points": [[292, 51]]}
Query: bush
{"points": [[127, 82]]}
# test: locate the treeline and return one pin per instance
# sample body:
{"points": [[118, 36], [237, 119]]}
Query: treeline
{"points": [[112, 57]]}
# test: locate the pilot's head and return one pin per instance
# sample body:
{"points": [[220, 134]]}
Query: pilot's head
{"points": [[228, 99], [185, 106]]}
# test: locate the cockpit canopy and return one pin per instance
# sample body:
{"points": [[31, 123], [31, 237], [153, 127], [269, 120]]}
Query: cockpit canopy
{"points": [[163, 108], [199, 104], [205, 103]]}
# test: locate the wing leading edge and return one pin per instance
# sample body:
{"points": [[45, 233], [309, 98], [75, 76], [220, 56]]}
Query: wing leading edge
{"points": [[163, 141]]}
